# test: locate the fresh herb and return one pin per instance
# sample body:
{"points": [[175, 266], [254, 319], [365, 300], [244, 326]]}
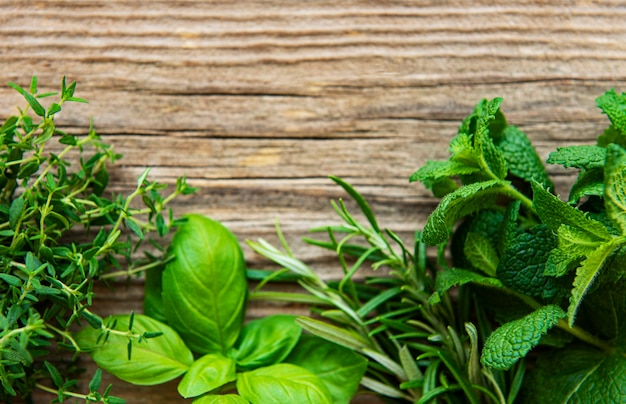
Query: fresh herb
{"points": [[60, 232], [537, 280], [198, 302]]}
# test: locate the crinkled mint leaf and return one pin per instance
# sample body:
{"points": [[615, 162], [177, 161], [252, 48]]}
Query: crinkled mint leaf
{"points": [[615, 185], [584, 156], [577, 375], [452, 277], [521, 157], [481, 253], [573, 246], [589, 183], [523, 263], [586, 274], [554, 213], [513, 340], [614, 106], [434, 170], [460, 203]]}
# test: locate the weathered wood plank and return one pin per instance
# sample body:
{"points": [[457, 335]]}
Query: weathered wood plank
{"points": [[258, 101]]}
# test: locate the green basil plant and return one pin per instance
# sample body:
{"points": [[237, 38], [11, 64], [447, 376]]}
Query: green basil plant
{"points": [[197, 304]]}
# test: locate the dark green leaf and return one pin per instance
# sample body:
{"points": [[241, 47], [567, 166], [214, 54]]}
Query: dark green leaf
{"points": [[94, 384], [152, 300], [57, 379], [15, 211], [523, 263], [134, 227], [521, 157], [11, 279], [512, 341], [577, 375], [54, 109]]}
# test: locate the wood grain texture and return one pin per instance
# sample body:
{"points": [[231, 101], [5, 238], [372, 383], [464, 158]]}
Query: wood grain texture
{"points": [[257, 102]]}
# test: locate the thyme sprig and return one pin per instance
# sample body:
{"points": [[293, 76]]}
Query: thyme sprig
{"points": [[60, 232]]}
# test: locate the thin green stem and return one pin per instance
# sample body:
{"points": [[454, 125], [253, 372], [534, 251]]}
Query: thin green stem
{"points": [[132, 271]]}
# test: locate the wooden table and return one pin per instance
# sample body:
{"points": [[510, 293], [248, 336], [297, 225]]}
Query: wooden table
{"points": [[257, 102]]}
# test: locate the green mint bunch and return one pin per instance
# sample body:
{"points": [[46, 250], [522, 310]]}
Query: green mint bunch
{"points": [[60, 232], [550, 272]]}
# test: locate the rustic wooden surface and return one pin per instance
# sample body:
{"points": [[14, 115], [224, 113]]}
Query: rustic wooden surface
{"points": [[256, 102]]}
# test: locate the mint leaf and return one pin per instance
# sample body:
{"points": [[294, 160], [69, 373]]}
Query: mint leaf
{"points": [[585, 276], [615, 185], [577, 375], [512, 341], [611, 135], [460, 203], [614, 106], [449, 278], [554, 212], [481, 253], [521, 157], [523, 264], [434, 170], [586, 157], [589, 183]]}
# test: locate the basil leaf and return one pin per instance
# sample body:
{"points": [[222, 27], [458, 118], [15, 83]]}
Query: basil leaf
{"points": [[339, 368], [154, 360], [266, 341], [152, 300], [204, 286], [205, 374], [282, 383], [223, 399]]}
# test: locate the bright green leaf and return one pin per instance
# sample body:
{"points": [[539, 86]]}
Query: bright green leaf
{"points": [[282, 383], [614, 106], [583, 156], [204, 286], [554, 213], [462, 202], [266, 341], [154, 360], [435, 170], [206, 374], [585, 277], [221, 399], [615, 185], [339, 368]]}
